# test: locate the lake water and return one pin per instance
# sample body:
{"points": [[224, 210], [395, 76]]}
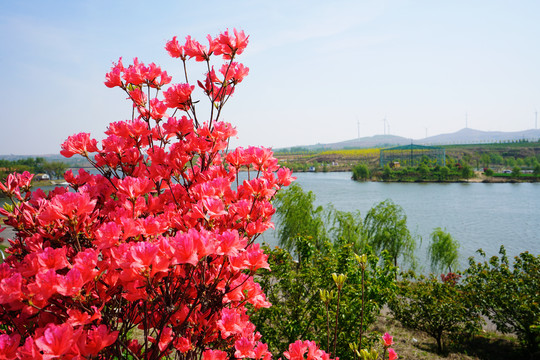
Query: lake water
{"points": [[478, 215]]}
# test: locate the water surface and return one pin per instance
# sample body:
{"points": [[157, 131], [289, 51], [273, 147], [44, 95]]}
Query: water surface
{"points": [[478, 215]]}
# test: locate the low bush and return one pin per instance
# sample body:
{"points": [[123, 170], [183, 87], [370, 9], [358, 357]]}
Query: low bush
{"points": [[508, 294], [439, 308], [360, 172]]}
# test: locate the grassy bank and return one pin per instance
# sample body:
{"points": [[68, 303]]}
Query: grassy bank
{"points": [[416, 345]]}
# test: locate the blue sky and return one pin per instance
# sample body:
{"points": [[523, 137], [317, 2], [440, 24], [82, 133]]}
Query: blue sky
{"points": [[317, 68]]}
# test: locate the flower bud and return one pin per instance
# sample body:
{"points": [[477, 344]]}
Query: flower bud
{"points": [[366, 355], [362, 260], [324, 295], [339, 280], [387, 340]]}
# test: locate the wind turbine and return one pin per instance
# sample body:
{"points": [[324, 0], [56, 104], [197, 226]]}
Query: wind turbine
{"points": [[385, 125]]}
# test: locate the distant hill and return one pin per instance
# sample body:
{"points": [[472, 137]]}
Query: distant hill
{"points": [[471, 136], [463, 136]]}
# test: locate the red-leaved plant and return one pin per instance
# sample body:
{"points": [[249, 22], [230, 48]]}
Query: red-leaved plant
{"points": [[152, 256]]}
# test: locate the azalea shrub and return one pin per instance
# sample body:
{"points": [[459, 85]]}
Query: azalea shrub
{"points": [[152, 256]]}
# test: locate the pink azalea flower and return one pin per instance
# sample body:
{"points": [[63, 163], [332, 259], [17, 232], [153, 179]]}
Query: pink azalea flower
{"points": [[96, 339], [244, 348], [57, 340], [387, 339], [214, 355], [114, 78], [296, 350], [174, 49], [178, 96], [9, 345], [79, 144]]}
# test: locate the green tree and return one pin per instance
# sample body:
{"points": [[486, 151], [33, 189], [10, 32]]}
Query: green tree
{"points": [[423, 170], [496, 159], [347, 228], [516, 172], [386, 228], [387, 172], [485, 159], [467, 172], [360, 172], [450, 161], [508, 294], [439, 308], [443, 173], [488, 172], [536, 171], [298, 216], [55, 169], [510, 161], [443, 251], [530, 161]]}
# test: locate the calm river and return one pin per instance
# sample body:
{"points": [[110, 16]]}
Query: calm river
{"points": [[478, 215]]}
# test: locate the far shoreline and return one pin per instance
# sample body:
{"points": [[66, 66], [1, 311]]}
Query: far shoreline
{"points": [[478, 179]]}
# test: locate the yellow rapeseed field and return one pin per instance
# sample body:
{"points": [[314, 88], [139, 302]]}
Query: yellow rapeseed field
{"points": [[372, 152]]}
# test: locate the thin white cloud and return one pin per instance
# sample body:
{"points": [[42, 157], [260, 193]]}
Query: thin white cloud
{"points": [[301, 21]]}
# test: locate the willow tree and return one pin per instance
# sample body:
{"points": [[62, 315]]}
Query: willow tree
{"points": [[386, 228], [443, 251], [347, 227], [298, 217]]}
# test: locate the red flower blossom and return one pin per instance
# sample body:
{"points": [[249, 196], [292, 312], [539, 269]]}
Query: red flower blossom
{"points": [[387, 339], [95, 339], [114, 78], [57, 340], [232, 44], [174, 49], [214, 355], [179, 96], [8, 346], [79, 144], [193, 49]]}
